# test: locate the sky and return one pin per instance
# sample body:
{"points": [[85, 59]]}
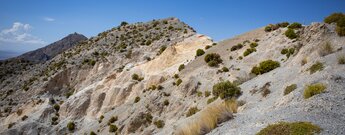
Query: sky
{"points": [[27, 25]]}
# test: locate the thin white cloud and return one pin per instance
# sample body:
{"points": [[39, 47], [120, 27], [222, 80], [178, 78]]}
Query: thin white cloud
{"points": [[19, 34], [49, 19]]}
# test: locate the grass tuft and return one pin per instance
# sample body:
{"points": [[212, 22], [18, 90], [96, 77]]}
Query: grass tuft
{"points": [[314, 89], [293, 128]]}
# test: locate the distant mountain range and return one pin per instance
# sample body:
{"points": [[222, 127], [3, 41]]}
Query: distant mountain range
{"points": [[7, 54], [51, 50]]}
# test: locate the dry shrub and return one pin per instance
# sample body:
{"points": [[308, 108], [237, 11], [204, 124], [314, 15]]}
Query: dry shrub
{"points": [[208, 118]]}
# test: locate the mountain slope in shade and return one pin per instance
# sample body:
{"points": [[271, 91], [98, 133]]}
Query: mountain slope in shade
{"points": [[49, 51]]}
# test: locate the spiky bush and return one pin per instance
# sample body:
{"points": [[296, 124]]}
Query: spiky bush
{"points": [[314, 89], [226, 90], [293, 128], [265, 66]]}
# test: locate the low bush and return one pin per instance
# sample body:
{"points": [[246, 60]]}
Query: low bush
{"points": [[92, 133], [213, 59], [249, 51], [162, 49], [181, 67], [290, 33], [112, 128], [210, 100], [123, 23], [341, 60], [340, 31], [314, 89], [282, 24], [225, 69], [207, 93], [334, 18], [178, 82], [70, 126], [288, 52], [236, 47], [289, 89], [318, 66], [207, 47], [191, 111], [253, 45], [24, 117], [56, 107], [295, 25], [293, 128], [137, 99], [166, 102], [326, 49], [265, 66], [200, 52], [137, 77], [226, 90], [112, 120], [159, 123]]}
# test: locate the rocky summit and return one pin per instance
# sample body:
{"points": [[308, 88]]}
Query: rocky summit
{"points": [[162, 77]]}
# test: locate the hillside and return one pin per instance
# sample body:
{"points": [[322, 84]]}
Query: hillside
{"points": [[161, 77]]}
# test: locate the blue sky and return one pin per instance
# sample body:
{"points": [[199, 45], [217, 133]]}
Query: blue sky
{"points": [[26, 25]]}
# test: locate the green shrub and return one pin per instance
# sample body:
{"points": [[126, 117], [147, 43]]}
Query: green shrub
{"points": [[160, 87], [213, 59], [265, 66], [284, 51], [341, 59], [24, 117], [166, 102], [162, 49], [70, 126], [199, 93], [288, 52], [268, 28], [112, 128], [249, 51], [210, 100], [124, 23], [181, 67], [112, 119], [314, 89], [176, 76], [225, 69], [200, 52], [295, 25], [207, 93], [178, 82], [341, 22], [340, 31], [334, 18], [148, 42], [318, 66], [207, 47], [192, 111], [152, 87], [236, 47], [137, 99], [56, 107], [92, 133], [226, 90], [159, 123], [283, 24], [135, 76], [253, 45], [290, 88], [290, 33], [293, 128]]}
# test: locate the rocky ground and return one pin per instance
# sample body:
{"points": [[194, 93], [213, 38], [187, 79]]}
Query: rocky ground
{"points": [[125, 77]]}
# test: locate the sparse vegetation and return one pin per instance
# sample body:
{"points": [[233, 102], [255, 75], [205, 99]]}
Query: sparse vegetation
{"points": [[123, 23], [112, 120], [137, 77], [24, 117], [137, 99], [253, 45], [288, 52], [210, 100], [236, 47], [159, 123], [293, 128], [56, 107], [191, 111], [207, 93], [265, 66], [341, 59], [249, 51], [326, 49], [213, 59], [290, 33], [200, 52], [92, 133], [314, 89], [162, 49], [70, 126], [181, 67], [295, 25], [290, 88], [318, 66], [226, 90], [225, 69], [207, 47], [166, 102], [112, 128], [178, 82]]}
